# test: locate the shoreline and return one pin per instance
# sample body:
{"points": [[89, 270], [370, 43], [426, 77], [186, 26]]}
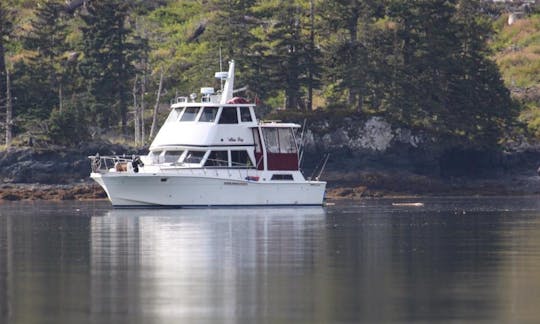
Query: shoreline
{"points": [[336, 190]]}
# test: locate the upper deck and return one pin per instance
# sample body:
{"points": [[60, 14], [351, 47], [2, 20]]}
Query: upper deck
{"points": [[207, 124]]}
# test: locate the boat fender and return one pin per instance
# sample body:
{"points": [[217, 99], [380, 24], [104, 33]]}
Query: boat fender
{"points": [[538, 171], [136, 163]]}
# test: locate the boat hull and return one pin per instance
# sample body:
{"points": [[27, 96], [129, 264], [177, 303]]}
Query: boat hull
{"points": [[176, 191]]}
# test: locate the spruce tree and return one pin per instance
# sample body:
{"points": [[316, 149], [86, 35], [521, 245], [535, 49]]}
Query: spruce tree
{"points": [[348, 34], [47, 40], [284, 42], [106, 65], [6, 28]]}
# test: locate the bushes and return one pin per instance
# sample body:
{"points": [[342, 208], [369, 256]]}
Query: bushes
{"points": [[67, 127]]}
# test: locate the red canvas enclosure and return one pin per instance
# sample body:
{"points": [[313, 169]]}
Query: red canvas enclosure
{"points": [[281, 150]]}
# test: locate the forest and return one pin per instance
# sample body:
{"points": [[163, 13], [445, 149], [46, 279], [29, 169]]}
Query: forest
{"points": [[78, 71]]}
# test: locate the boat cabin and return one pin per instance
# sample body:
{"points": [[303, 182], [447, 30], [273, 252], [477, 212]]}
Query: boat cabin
{"points": [[223, 136], [221, 131]]}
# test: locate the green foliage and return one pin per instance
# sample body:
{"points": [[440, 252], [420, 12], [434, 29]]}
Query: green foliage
{"points": [[68, 127], [518, 58], [420, 64]]}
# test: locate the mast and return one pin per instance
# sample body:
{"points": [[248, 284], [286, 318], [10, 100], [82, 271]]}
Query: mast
{"points": [[229, 85]]}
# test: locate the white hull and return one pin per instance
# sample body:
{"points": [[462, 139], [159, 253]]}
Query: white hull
{"points": [[175, 190]]}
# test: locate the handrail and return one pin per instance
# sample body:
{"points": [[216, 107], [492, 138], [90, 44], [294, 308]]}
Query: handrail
{"points": [[100, 164]]}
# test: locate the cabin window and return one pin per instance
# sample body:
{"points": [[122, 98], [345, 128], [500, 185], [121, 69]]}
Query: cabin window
{"points": [[190, 114], [282, 177], [245, 114], [194, 157], [240, 159], [286, 140], [257, 140], [228, 116], [172, 156], [209, 114], [154, 156], [174, 114], [217, 159], [271, 139]]}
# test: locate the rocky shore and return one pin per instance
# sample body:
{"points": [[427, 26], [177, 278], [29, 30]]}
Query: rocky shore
{"points": [[23, 191], [63, 174]]}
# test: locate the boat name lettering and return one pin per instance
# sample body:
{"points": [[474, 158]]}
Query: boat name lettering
{"points": [[235, 183], [238, 139]]}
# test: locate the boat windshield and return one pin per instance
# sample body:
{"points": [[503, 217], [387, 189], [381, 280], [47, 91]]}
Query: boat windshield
{"points": [[209, 114], [172, 156], [194, 157], [190, 114], [228, 116], [154, 156], [245, 114], [175, 113], [217, 159]]}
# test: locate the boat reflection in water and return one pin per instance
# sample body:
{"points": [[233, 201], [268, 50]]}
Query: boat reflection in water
{"points": [[193, 264]]}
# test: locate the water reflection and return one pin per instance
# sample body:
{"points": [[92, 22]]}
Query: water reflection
{"points": [[451, 260], [218, 263]]}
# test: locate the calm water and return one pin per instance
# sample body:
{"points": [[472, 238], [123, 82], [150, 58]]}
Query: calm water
{"points": [[453, 260]]}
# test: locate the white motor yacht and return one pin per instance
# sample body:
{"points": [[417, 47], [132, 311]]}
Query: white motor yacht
{"points": [[212, 152]]}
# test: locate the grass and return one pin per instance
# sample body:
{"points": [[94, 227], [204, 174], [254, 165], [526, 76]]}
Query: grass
{"points": [[518, 57]]}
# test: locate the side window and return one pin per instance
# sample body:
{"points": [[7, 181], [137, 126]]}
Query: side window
{"points": [[286, 141], [240, 159], [217, 159], [271, 139], [209, 114], [194, 157], [172, 156], [257, 140], [228, 116], [245, 115], [190, 114]]}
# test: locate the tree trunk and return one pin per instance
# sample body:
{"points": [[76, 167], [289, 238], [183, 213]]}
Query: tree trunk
{"points": [[352, 27], [141, 113], [60, 95], [3, 70], [311, 50], [136, 113], [154, 116], [9, 111], [122, 78]]}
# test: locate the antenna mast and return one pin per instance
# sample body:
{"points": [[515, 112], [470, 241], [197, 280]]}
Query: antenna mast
{"points": [[220, 68]]}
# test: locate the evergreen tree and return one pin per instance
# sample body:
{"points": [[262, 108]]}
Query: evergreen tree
{"points": [[6, 28], [284, 42], [444, 81], [47, 41], [106, 64], [349, 48], [229, 32]]}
